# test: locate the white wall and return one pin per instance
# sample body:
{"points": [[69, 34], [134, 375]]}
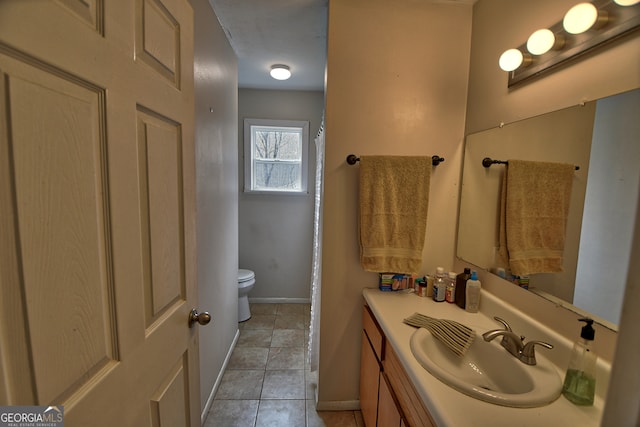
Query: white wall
{"points": [[276, 231], [490, 102], [608, 221], [375, 106], [623, 402], [216, 85], [498, 25], [397, 76], [502, 24]]}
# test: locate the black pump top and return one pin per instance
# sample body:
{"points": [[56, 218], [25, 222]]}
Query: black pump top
{"points": [[588, 333]]}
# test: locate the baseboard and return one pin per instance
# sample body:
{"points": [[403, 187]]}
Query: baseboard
{"points": [[338, 405], [216, 385], [280, 300]]}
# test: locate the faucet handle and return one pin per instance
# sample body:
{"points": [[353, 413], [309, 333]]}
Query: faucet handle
{"points": [[528, 354], [504, 323]]}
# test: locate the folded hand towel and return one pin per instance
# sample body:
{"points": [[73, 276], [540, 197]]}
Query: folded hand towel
{"points": [[394, 196], [538, 195]]}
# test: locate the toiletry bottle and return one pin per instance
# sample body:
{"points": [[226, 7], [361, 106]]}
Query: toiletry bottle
{"points": [[461, 286], [450, 294], [439, 285], [430, 281], [472, 303], [580, 381], [421, 286]]}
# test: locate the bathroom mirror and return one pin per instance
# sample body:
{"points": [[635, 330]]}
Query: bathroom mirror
{"points": [[601, 137]]}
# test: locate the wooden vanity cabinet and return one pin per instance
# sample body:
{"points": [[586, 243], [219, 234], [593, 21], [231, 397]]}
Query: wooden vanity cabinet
{"points": [[370, 368], [369, 383], [388, 412], [409, 402], [387, 397]]}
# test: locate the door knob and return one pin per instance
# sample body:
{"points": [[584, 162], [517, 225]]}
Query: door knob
{"points": [[201, 318]]}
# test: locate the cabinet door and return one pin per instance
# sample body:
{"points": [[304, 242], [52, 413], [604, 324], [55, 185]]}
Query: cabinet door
{"points": [[409, 401], [369, 383], [388, 413], [373, 331]]}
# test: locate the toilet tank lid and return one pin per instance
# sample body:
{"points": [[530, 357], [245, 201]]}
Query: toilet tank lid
{"points": [[244, 275]]}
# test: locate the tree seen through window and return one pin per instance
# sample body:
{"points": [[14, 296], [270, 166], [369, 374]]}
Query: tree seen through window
{"points": [[277, 157]]}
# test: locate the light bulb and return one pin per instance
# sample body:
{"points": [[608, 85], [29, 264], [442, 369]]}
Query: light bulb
{"points": [[280, 72], [626, 2], [580, 18], [541, 41], [511, 59]]}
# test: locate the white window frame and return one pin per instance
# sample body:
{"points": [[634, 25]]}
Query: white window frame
{"points": [[248, 154]]}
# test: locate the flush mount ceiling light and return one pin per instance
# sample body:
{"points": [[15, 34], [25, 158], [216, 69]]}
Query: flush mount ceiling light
{"points": [[280, 72], [542, 41], [626, 2], [581, 17]]}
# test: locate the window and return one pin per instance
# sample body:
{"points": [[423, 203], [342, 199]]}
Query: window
{"points": [[275, 156]]}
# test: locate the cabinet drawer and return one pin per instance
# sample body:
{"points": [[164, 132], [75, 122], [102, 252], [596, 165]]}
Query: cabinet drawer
{"points": [[373, 331]]}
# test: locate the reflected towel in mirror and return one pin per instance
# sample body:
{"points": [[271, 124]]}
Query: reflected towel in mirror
{"points": [[534, 208]]}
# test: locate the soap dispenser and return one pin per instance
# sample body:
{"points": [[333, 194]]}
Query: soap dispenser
{"points": [[580, 381]]}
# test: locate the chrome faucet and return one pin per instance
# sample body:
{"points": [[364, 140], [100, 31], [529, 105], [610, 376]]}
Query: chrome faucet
{"points": [[514, 344]]}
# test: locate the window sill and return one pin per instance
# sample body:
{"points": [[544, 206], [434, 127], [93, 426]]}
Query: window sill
{"points": [[276, 193]]}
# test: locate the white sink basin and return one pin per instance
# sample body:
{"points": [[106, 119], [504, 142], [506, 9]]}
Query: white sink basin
{"points": [[488, 372]]}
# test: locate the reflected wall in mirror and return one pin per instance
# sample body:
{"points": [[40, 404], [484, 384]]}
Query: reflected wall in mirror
{"points": [[601, 137]]}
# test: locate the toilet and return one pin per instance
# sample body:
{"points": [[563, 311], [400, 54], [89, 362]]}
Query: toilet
{"points": [[246, 280]]}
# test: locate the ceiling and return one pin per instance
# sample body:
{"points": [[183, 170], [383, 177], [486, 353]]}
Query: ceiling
{"points": [[267, 32], [291, 32]]}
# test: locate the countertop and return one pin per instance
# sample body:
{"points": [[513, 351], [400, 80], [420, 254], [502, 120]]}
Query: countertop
{"points": [[449, 407]]}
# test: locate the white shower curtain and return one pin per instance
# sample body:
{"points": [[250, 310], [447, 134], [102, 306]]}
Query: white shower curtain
{"points": [[316, 270]]}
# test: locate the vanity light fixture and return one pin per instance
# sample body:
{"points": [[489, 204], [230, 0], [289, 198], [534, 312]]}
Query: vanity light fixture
{"points": [[582, 17], [280, 72], [542, 41], [512, 59], [584, 27], [626, 2]]}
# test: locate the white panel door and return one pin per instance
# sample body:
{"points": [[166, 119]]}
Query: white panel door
{"points": [[97, 210]]}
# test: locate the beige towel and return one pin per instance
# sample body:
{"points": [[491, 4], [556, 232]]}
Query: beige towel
{"points": [[533, 224], [394, 195]]}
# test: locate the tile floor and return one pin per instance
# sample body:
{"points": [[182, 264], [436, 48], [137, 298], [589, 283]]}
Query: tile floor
{"points": [[268, 381]]}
